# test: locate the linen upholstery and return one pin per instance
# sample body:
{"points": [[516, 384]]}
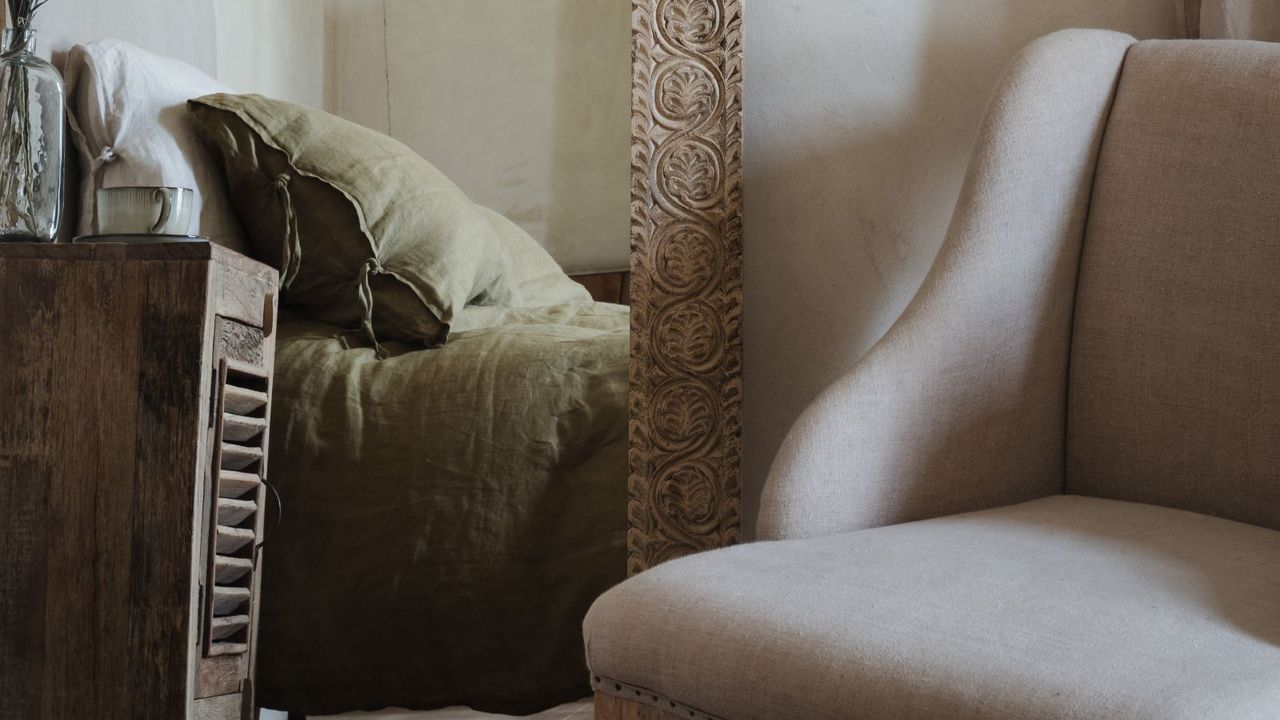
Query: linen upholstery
{"points": [[1175, 385], [1064, 607], [961, 405]]}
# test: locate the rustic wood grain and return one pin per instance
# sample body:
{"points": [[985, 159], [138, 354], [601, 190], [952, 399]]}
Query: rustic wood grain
{"points": [[221, 675], [686, 282], [67, 252], [243, 289], [239, 341], [225, 707], [23, 496], [92, 419], [103, 459], [609, 707]]}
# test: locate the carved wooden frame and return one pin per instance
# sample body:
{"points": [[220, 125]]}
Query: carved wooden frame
{"points": [[686, 281]]}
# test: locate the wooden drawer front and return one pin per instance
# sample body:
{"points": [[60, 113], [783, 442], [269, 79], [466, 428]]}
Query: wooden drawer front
{"points": [[223, 707], [237, 496], [247, 295], [240, 342], [609, 287], [222, 674]]}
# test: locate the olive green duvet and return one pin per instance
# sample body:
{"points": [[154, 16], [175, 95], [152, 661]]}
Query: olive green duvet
{"points": [[449, 514]]}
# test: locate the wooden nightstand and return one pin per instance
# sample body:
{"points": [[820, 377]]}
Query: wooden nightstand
{"points": [[610, 287], [135, 388]]}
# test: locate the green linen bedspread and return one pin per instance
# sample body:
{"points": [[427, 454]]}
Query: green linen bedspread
{"points": [[449, 514]]}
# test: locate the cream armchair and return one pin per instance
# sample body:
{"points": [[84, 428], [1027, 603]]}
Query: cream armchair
{"points": [[1053, 490]]}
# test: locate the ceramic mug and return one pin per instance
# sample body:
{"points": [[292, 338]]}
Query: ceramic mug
{"points": [[145, 210]]}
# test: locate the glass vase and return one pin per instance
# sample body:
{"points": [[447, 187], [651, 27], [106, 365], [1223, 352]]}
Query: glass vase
{"points": [[31, 141]]}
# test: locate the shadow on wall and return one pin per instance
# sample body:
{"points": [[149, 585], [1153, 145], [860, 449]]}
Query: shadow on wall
{"points": [[356, 77], [526, 106], [591, 137], [274, 48], [1241, 19], [861, 119]]}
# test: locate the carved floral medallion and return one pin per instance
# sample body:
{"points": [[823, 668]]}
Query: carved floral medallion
{"points": [[686, 294]]}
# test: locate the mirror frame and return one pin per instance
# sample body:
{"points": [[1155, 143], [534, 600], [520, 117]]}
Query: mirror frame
{"points": [[686, 279]]}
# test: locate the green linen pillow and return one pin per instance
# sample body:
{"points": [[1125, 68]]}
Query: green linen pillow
{"points": [[365, 232]]}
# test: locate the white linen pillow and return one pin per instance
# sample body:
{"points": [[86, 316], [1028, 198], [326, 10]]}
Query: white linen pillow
{"points": [[130, 125]]}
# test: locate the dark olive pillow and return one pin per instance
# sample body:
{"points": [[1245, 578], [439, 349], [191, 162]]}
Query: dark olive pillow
{"points": [[365, 232]]}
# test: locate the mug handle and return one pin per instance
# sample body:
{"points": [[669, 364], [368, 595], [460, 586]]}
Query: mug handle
{"points": [[166, 211]]}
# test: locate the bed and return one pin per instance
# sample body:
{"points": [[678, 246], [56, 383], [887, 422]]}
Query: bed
{"points": [[449, 514], [449, 421]]}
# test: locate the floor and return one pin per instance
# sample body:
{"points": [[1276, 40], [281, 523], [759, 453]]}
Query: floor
{"points": [[573, 711]]}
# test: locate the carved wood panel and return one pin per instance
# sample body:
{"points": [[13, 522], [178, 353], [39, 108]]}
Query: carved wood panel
{"points": [[686, 282]]}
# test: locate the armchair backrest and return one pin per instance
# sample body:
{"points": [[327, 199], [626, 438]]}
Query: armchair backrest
{"points": [[1174, 389]]}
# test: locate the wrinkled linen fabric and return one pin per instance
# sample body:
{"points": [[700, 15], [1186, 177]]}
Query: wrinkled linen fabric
{"points": [[449, 514], [365, 233]]}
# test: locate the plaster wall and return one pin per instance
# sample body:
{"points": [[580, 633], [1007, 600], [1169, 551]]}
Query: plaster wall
{"points": [[861, 115], [273, 47], [525, 105]]}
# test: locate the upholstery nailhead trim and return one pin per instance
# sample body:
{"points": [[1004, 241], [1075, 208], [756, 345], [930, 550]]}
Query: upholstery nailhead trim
{"points": [[617, 688]]}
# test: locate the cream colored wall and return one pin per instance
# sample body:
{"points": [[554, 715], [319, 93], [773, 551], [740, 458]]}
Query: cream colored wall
{"points": [[356, 71], [273, 47], [181, 29], [526, 105], [860, 118]]}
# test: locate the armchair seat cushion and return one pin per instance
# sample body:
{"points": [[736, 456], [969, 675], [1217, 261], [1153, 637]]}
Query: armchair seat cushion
{"points": [[1064, 607]]}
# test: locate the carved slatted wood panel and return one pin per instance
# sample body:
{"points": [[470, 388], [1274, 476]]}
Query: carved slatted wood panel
{"points": [[237, 497], [686, 281]]}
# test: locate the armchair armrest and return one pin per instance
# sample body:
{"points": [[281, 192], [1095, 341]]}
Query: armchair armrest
{"points": [[962, 405]]}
